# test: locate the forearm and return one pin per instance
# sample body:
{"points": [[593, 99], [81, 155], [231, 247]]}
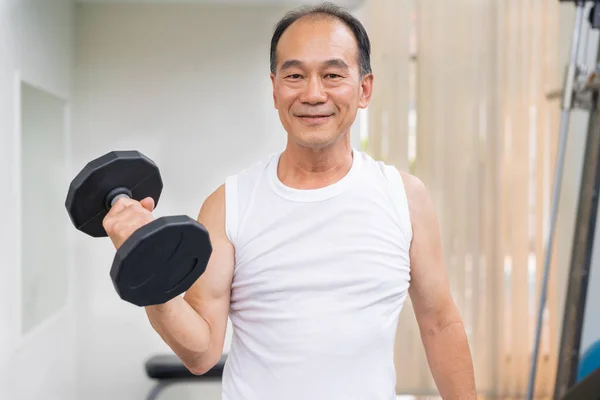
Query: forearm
{"points": [[449, 359], [186, 332]]}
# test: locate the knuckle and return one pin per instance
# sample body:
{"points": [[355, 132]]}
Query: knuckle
{"points": [[108, 224], [121, 202], [121, 224], [142, 213]]}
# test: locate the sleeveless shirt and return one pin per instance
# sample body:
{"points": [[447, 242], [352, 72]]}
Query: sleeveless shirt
{"points": [[320, 278]]}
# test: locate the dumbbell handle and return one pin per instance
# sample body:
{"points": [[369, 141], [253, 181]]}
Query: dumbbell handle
{"points": [[115, 195]]}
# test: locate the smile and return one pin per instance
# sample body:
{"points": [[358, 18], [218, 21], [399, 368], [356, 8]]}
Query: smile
{"points": [[314, 119]]}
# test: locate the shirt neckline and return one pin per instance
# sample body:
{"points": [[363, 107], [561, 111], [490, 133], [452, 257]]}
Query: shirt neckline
{"points": [[311, 195]]}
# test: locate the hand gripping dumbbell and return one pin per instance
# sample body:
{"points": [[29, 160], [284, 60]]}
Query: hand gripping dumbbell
{"points": [[160, 260]]}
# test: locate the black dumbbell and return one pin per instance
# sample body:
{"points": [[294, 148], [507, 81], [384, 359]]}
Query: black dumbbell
{"points": [[160, 260]]}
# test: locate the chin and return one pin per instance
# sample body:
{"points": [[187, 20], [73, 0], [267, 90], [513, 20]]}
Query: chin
{"points": [[315, 141], [315, 145]]}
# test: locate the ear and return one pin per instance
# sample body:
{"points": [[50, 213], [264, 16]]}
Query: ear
{"points": [[274, 95], [366, 90]]}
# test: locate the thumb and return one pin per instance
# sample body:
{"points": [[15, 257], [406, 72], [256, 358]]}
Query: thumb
{"points": [[148, 203]]}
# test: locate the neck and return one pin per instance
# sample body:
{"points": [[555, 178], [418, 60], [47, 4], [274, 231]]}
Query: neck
{"points": [[303, 167]]}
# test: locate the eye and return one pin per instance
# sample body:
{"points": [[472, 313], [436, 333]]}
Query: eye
{"points": [[333, 76], [294, 76]]}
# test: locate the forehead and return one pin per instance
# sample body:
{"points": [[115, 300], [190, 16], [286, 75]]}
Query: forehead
{"points": [[317, 38]]}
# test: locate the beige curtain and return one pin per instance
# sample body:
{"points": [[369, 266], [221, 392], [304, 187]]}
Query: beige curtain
{"points": [[476, 73]]}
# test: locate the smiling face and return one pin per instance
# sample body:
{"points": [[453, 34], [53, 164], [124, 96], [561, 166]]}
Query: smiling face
{"points": [[317, 87]]}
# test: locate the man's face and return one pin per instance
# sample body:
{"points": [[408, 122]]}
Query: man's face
{"points": [[317, 88]]}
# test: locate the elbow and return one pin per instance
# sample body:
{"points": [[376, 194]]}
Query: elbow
{"points": [[436, 327], [434, 323], [199, 370], [202, 366]]}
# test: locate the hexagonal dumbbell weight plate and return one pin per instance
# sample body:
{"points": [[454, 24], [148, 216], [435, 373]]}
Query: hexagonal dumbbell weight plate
{"points": [[160, 260]]}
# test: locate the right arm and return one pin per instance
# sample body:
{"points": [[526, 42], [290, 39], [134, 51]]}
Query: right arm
{"points": [[194, 325]]}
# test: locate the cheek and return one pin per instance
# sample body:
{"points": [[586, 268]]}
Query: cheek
{"points": [[285, 95], [345, 97]]}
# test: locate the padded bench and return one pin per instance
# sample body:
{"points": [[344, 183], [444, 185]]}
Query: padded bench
{"points": [[168, 369]]}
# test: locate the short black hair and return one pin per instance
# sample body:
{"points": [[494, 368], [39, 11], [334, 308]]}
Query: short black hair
{"points": [[330, 10]]}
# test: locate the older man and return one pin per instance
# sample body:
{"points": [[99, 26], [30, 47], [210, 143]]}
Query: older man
{"points": [[315, 248]]}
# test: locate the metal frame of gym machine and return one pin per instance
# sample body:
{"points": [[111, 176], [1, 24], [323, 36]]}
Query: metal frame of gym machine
{"points": [[581, 90]]}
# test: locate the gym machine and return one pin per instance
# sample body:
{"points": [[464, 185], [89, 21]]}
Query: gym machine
{"points": [[581, 91]]}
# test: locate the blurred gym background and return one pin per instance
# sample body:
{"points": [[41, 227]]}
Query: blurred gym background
{"points": [[465, 98]]}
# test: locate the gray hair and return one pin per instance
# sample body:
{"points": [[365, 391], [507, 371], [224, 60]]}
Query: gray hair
{"points": [[334, 11]]}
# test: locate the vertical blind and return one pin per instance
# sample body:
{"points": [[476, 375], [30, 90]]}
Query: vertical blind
{"points": [[460, 101]]}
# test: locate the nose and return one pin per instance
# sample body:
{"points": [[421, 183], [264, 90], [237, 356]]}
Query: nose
{"points": [[314, 93]]}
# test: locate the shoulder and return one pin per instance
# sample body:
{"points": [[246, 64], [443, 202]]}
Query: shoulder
{"points": [[212, 211], [389, 172], [416, 191], [416, 194], [421, 207], [414, 188], [215, 200], [214, 208]]}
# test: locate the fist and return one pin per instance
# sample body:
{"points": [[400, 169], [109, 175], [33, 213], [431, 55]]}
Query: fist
{"points": [[125, 217]]}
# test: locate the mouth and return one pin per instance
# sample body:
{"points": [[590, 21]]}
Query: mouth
{"points": [[314, 119]]}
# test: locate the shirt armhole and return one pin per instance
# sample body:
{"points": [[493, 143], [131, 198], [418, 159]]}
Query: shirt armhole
{"points": [[400, 200], [231, 208]]}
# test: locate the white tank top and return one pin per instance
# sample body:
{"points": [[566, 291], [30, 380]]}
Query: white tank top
{"points": [[320, 278]]}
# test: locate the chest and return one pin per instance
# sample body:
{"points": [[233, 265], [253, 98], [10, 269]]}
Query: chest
{"points": [[321, 256]]}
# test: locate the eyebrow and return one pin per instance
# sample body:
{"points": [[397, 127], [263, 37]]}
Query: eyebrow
{"points": [[335, 62]]}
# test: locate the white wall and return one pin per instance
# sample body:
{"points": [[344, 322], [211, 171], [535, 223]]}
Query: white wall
{"points": [[36, 42], [189, 87]]}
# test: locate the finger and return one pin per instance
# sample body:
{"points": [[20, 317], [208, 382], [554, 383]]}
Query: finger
{"points": [[148, 203], [127, 220], [121, 204], [132, 212], [118, 207]]}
